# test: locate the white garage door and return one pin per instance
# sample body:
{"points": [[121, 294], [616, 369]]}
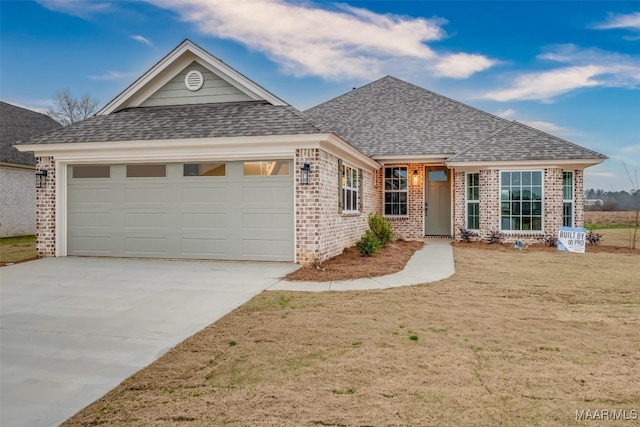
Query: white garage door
{"points": [[214, 210]]}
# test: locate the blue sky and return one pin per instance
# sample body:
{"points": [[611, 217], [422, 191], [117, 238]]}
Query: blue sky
{"points": [[570, 68]]}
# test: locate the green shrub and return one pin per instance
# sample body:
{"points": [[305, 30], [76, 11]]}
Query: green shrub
{"points": [[368, 244], [381, 228]]}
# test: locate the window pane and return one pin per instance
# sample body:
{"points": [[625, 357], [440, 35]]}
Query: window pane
{"points": [[146, 171], [506, 178], [536, 193], [536, 178], [440, 175], [92, 171], [536, 223], [268, 168], [204, 169], [505, 194], [506, 223], [515, 178], [526, 178], [536, 208]]}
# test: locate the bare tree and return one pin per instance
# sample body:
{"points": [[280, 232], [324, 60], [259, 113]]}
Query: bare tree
{"points": [[635, 191], [67, 109]]}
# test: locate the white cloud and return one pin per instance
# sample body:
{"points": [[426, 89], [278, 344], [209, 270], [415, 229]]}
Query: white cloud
{"points": [[580, 68], [112, 75], [79, 8], [630, 21], [547, 84], [544, 126], [509, 112], [142, 39], [344, 42]]}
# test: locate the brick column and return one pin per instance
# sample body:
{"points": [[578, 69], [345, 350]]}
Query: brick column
{"points": [[46, 210], [307, 207], [459, 208], [552, 200], [578, 198], [489, 201]]}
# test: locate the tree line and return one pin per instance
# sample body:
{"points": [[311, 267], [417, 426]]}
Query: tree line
{"points": [[612, 200]]}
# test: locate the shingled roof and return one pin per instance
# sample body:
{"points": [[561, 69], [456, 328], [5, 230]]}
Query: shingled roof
{"points": [[18, 125], [252, 118], [391, 117], [521, 142]]}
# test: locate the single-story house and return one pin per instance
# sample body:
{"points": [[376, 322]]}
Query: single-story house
{"points": [[195, 160], [17, 188]]}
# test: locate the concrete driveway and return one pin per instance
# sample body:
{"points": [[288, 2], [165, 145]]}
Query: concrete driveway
{"points": [[71, 329]]}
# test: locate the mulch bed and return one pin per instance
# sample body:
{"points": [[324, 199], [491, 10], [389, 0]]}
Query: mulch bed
{"points": [[539, 247], [350, 265]]}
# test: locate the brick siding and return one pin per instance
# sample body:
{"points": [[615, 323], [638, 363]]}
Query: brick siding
{"points": [[46, 210], [17, 201]]}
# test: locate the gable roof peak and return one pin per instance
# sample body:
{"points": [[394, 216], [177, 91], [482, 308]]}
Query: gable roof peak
{"points": [[174, 62]]}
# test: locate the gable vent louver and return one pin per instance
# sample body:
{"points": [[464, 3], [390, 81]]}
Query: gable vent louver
{"points": [[194, 80]]}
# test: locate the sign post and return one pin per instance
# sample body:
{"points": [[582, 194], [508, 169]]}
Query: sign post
{"points": [[571, 239]]}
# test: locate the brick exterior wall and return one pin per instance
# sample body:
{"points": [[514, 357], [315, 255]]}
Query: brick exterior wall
{"points": [[578, 198], [552, 200], [459, 208], [322, 231], [410, 226], [17, 201], [46, 210]]}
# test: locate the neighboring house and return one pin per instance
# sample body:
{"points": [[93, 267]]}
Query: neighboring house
{"points": [[17, 170], [194, 160]]}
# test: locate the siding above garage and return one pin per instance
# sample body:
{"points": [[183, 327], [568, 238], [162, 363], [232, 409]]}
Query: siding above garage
{"points": [[213, 90]]}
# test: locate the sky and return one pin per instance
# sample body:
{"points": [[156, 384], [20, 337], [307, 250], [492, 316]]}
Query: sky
{"points": [[569, 68]]}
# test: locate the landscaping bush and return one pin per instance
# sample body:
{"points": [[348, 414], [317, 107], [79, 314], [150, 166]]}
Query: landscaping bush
{"points": [[466, 235], [494, 237], [593, 239], [368, 244], [380, 228], [551, 241]]}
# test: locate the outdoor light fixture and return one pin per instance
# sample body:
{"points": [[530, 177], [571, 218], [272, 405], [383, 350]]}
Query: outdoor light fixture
{"points": [[41, 179], [304, 174], [415, 177]]}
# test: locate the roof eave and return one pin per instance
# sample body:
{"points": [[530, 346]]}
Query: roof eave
{"points": [[566, 163]]}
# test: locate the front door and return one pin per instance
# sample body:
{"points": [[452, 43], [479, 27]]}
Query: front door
{"points": [[437, 196]]}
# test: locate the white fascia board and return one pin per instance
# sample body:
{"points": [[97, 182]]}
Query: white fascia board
{"points": [[410, 158], [539, 164], [207, 60], [226, 148]]}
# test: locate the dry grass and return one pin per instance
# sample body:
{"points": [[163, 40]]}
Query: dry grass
{"points": [[513, 338], [351, 265], [17, 249], [600, 219]]}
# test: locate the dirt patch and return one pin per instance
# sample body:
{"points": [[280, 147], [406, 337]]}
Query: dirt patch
{"points": [[512, 338], [350, 265], [609, 218]]}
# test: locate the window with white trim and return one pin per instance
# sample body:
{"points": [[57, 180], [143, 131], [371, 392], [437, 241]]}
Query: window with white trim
{"points": [[349, 189], [567, 199], [473, 201], [396, 192], [521, 201]]}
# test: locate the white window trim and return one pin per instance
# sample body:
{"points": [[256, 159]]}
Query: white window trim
{"points": [[572, 199], [542, 185], [356, 189], [385, 191], [467, 201]]}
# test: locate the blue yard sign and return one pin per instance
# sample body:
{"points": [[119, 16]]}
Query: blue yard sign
{"points": [[571, 239]]}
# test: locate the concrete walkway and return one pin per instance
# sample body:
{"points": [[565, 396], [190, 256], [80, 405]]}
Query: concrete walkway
{"points": [[431, 263]]}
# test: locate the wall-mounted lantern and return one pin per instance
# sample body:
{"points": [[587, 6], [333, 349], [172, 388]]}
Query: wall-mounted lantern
{"points": [[415, 177], [41, 179], [304, 174]]}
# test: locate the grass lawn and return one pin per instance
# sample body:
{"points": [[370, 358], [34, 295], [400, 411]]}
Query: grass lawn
{"points": [[16, 249], [513, 338]]}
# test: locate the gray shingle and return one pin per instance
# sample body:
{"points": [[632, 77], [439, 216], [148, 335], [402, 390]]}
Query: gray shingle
{"points": [[17, 125], [186, 121], [521, 142], [392, 117]]}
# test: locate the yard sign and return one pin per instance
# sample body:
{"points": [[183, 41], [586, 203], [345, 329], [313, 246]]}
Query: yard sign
{"points": [[571, 239]]}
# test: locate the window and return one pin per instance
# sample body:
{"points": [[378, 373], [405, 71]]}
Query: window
{"points": [[92, 171], [268, 168], [521, 201], [439, 175], [349, 189], [204, 169], [473, 201], [395, 190], [146, 171], [567, 199]]}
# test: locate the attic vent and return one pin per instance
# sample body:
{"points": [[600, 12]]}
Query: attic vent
{"points": [[194, 80]]}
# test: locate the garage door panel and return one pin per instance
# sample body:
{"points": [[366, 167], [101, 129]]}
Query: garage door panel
{"points": [[204, 221], [232, 217], [198, 247]]}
